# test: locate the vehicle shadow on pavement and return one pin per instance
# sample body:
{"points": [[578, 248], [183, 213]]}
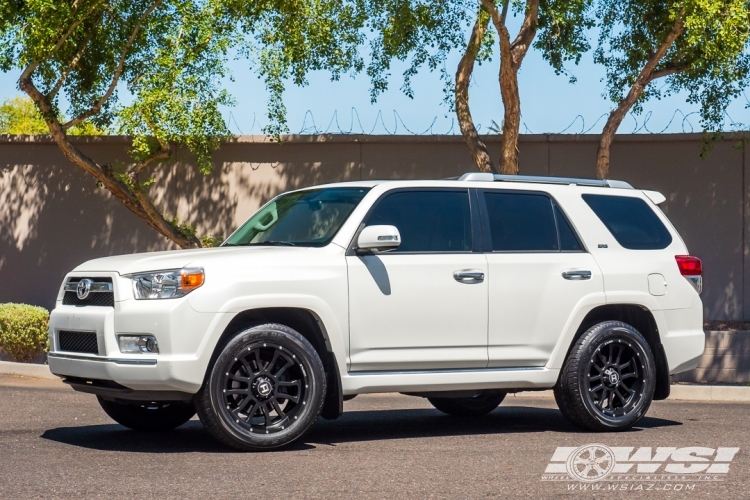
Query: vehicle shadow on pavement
{"points": [[353, 426], [410, 423]]}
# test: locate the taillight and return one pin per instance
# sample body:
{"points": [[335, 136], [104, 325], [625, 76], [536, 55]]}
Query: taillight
{"points": [[692, 269]]}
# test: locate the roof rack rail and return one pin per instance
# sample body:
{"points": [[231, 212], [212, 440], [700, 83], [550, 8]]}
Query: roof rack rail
{"points": [[489, 177]]}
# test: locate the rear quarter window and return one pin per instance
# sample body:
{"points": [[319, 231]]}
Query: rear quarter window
{"points": [[631, 221]]}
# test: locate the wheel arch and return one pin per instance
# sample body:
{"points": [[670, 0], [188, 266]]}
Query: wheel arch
{"points": [[310, 326], [640, 318]]}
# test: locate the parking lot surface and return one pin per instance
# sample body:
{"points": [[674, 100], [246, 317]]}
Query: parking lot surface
{"points": [[58, 443]]}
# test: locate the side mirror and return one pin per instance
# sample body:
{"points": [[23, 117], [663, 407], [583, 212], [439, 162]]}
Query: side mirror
{"points": [[378, 238]]}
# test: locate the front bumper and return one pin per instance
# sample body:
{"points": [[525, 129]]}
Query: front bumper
{"points": [[182, 334]]}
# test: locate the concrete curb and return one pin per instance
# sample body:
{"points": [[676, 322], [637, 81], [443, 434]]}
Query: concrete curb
{"points": [[726, 393], [26, 370]]}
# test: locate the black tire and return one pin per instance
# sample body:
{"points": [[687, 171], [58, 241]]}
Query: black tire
{"points": [[607, 383], [475, 406], [276, 384], [148, 417]]}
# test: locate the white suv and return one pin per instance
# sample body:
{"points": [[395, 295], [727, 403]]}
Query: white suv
{"points": [[457, 290]]}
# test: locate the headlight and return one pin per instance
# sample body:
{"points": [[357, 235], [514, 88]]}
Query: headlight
{"points": [[168, 284]]}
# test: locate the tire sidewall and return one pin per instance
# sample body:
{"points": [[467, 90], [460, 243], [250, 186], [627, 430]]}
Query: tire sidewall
{"points": [[314, 393], [608, 333]]}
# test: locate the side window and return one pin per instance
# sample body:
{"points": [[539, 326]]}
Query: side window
{"points": [[631, 221], [521, 222], [429, 221], [568, 240]]}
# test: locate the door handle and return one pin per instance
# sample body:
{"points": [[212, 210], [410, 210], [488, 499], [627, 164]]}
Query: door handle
{"points": [[468, 276], [576, 275]]}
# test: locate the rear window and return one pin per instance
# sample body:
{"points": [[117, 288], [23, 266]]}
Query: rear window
{"points": [[631, 221]]}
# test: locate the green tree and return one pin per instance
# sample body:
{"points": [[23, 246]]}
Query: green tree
{"points": [[20, 116], [170, 56], [429, 29], [696, 46]]}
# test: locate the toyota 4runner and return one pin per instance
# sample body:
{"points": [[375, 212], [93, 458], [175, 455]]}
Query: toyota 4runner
{"points": [[459, 291]]}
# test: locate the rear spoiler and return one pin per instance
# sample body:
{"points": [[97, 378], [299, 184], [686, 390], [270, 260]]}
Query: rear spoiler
{"points": [[655, 196]]}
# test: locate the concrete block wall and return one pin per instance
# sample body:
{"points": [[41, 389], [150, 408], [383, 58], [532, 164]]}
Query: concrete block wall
{"points": [[726, 360], [53, 217]]}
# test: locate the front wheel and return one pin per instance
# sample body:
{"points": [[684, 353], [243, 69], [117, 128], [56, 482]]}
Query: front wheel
{"points": [[607, 383], [156, 416], [266, 389], [473, 406]]}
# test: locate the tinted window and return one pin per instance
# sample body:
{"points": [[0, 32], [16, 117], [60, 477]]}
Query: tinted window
{"points": [[631, 221], [305, 218], [429, 221], [568, 239], [521, 222]]}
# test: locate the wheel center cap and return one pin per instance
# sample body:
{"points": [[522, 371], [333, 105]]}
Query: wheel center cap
{"points": [[611, 377], [263, 387]]}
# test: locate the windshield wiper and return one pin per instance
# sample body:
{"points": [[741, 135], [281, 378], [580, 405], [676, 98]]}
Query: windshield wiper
{"points": [[273, 243]]}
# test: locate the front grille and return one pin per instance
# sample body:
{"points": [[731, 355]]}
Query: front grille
{"points": [[104, 299], [95, 298], [78, 342]]}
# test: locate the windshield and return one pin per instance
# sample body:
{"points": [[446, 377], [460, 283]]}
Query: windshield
{"points": [[303, 218]]}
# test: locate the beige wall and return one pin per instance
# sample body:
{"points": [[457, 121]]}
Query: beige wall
{"points": [[52, 216]]}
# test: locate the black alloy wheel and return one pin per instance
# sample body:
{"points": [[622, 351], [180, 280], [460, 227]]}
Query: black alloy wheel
{"points": [[608, 381], [265, 390], [614, 384]]}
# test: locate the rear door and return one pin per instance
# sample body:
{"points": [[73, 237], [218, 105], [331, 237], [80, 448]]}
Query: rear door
{"points": [[539, 272]]}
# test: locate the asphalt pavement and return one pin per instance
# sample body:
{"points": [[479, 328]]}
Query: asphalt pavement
{"points": [[58, 443]]}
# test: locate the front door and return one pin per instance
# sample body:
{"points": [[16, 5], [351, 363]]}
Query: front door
{"points": [[422, 306], [539, 273]]}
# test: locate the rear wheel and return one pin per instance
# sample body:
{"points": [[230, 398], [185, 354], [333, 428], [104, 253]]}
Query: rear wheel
{"points": [[265, 390], [155, 416], [607, 383], [474, 406]]}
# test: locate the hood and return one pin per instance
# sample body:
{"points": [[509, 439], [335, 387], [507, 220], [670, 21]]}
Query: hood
{"points": [[177, 259]]}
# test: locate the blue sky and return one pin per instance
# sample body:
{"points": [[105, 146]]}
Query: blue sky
{"points": [[549, 103]]}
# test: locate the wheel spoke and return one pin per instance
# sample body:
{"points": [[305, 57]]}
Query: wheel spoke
{"points": [[245, 402], [619, 353], [271, 363], [602, 397], [624, 401], [595, 378], [623, 386], [238, 378], [624, 365], [290, 397], [247, 366], [278, 409], [283, 368], [627, 376], [238, 391]]}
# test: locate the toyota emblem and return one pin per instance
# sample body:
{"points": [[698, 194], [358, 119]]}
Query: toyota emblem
{"points": [[83, 288]]}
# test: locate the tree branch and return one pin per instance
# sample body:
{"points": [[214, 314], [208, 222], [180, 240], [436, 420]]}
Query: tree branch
{"points": [[118, 71], [527, 32], [646, 75], [69, 69]]}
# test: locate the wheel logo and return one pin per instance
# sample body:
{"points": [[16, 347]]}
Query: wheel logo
{"points": [[264, 388], [83, 288], [591, 462]]}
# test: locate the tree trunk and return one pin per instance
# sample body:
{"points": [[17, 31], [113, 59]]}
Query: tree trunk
{"points": [[136, 202], [512, 105], [511, 57], [477, 148], [646, 76]]}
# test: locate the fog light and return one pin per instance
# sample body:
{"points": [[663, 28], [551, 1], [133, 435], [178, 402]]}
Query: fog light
{"points": [[136, 344]]}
